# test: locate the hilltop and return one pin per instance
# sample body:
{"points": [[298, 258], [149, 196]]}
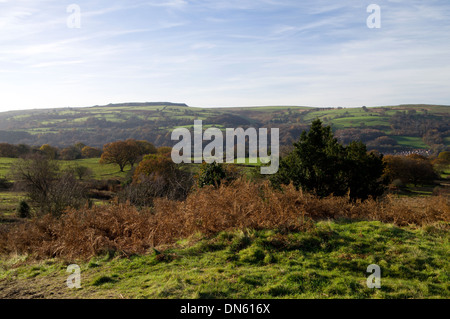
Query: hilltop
{"points": [[388, 129]]}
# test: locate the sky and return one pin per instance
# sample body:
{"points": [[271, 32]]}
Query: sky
{"points": [[218, 53]]}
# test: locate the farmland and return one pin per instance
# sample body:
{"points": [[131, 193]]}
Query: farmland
{"points": [[243, 239], [98, 125]]}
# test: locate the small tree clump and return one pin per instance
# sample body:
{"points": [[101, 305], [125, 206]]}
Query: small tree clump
{"points": [[23, 211]]}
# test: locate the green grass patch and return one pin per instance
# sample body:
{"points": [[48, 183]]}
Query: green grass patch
{"points": [[329, 261], [410, 141]]}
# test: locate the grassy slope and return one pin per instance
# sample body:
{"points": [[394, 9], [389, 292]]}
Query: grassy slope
{"points": [[49, 121], [327, 262]]}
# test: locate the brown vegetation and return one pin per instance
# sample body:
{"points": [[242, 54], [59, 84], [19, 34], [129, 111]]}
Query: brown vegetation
{"points": [[124, 229]]}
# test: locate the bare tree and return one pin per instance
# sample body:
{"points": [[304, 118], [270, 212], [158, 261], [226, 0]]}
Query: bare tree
{"points": [[49, 189]]}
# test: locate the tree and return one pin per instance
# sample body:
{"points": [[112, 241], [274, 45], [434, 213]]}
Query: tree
{"points": [[145, 147], [164, 150], [364, 171], [319, 164], [126, 152], [157, 176], [8, 150], [80, 171], [116, 153], [444, 156], [414, 169], [49, 151], [211, 174], [70, 153], [51, 190], [90, 152]]}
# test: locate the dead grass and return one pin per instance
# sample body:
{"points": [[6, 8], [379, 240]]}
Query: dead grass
{"points": [[124, 229]]}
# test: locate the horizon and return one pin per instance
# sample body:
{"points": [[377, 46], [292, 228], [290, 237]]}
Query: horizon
{"points": [[220, 107], [234, 53]]}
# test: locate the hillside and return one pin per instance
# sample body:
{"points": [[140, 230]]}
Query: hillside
{"points": [[388, 129], [327, 262]]}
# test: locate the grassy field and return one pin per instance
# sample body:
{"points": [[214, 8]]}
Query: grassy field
{"points": [[38, 122], [100, 171], [410, 141], [329, 261]]}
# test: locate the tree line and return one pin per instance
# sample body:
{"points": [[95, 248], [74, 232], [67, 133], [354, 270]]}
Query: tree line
{"points": [[317, 163]]}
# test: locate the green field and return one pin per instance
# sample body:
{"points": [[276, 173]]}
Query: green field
{"points": [[5, 165], [329, 261], [150, 121], [409, 141], [100, 171]]}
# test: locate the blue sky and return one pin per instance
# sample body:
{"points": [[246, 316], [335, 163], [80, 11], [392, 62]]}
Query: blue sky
{"points": [[224, 53]]}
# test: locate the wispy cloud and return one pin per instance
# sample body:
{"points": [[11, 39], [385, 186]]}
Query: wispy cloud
{"points": [[218, 52]]}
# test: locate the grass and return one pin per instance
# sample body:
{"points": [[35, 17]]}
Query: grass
{"points": [[9, 202], [5, 164], [329, 261], [410, 141], [101, 171]]}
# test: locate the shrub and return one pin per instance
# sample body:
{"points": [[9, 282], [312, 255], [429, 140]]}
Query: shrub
{"points": [[4, 183], [216, 173], [88, 232], [413, 169], [51, 190], [23, 211], [157, 176]]}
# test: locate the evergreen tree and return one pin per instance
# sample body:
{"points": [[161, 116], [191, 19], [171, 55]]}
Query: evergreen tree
{"points": [[321, 165]]}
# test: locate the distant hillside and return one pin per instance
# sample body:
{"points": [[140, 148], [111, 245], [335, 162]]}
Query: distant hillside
{"points": [[388, 129], [144, 104]]}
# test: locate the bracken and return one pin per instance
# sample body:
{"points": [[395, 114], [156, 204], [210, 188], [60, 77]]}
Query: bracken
{"points": [[122, 228]]}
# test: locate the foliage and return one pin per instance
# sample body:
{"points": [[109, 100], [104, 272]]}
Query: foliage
{"points": [[321, 165], [116, 153], [445, 156], [217, 173], [126, 152], [24, 210], [211, 174], [413, 169], [70, 153], [90, 152], [48, 151], [157, 176], [80, 171], [240, 206]]}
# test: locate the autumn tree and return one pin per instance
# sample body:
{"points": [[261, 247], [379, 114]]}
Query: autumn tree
{"points": [[157, 176], [70, 153], [414, 169], [48, 151], [90, 152], [126, 152], [116, 153], [164, 150]]}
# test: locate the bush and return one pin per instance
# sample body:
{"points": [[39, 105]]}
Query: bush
{"points": [[51, 190], [88, 232], [4, 183], [23, 210], [156, 176], [413, 169], [216, 173]]}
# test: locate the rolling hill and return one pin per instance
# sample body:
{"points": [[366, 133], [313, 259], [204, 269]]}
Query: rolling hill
{"points": [[388, 129]]}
